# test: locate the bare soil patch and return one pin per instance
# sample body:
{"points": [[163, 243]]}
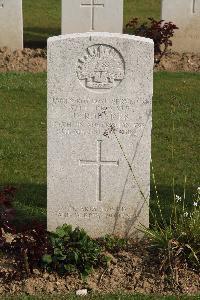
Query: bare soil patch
{"points": [[26, 60], [35, 60], [134, 270], [185, 62]]}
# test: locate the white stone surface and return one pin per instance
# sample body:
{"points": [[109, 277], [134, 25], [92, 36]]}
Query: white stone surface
{"points": [[95, 80], [82, 292], [186, 15], [92, 15], [11, 24]]}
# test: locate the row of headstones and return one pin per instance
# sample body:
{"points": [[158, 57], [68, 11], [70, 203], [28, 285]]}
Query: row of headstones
{"points": [[100, 88], [104, 16]]}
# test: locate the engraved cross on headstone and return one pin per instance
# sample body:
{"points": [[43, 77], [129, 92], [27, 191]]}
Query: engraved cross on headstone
{"points": [[2, 3], [196, 6], [92, 5], [99, 163]]}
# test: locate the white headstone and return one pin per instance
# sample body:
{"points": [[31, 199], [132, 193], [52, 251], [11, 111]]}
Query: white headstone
{"points": [[96, 80], [11, 24], [92, 15], [186, 15]]}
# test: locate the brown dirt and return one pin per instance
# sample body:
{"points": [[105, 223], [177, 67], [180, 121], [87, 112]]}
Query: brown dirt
{"points": [[34, 60], [174, 61], [135, 270], [26, 60]]}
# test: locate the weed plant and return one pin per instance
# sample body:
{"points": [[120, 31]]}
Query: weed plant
{"points": [[73, 251], [113, 244], [176, 240]]}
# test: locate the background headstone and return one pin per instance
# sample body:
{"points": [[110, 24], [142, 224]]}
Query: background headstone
{"points": [[11, 24], [186, 15], [95, 80], [92, 15]]}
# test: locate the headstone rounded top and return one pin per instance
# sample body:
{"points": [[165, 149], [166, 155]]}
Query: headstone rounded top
{"points": [[93, 35]]}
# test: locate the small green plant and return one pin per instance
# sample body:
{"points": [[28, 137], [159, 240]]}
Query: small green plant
{"points": [[179, 241], [73, 251], [113, 243]]}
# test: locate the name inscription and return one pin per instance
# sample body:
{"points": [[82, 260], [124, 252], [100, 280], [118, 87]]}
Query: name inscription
{"points": [[94, 116]]}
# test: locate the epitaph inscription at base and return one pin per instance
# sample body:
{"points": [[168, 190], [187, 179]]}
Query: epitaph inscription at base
{"points": [[99, 94]]}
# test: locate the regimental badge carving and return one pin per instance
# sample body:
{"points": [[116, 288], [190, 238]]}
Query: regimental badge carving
{"points": [[101, 68]]}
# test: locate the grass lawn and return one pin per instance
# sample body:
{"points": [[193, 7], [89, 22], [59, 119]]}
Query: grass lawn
{"points": [[176, 105], [105, 297], [23, 139], [43, 18], [23, 136]]}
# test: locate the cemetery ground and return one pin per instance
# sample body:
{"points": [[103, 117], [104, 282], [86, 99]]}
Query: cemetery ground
{"points": [[35, 60], [175, 147], [103, 297]]}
